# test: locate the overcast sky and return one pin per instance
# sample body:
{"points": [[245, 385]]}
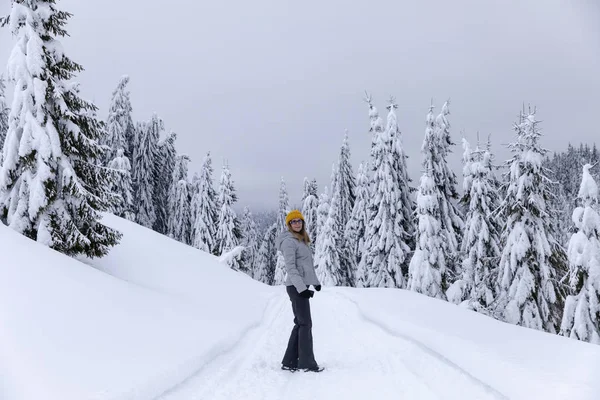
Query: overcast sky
{"points": [[271, 85]]}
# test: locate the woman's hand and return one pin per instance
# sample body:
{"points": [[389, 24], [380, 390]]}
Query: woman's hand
{"points": [[318, 288]]}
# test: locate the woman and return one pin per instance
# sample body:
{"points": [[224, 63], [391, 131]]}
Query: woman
{"points": [[293, 243]]}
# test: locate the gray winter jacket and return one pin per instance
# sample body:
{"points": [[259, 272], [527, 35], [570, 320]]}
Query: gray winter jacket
{"points": [[298, 262]]}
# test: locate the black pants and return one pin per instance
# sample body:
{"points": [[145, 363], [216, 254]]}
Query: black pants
{"points": [[299, 351]]}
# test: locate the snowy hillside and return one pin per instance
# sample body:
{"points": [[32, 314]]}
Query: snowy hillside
{"points": [[158, 319]]}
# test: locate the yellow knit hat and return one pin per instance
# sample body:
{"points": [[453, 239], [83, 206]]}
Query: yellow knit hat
{"points": [[294, 214]]}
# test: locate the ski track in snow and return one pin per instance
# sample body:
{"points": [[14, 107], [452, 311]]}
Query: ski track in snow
{"points": [[363, 359]]}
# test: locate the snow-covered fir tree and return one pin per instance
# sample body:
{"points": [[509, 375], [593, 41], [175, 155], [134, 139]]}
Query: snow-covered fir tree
{"points": [[376, 127], [581, 318], [179, 202], [163, 175], [310, 208], [204, 208], [4, 112], [329, 269], [52, 186], [405, 204], [122, 185], [322, 215], [119, 125], [267, 256], [250, 241], [446, 181], [284, 208], [228, 230], [356, 226], [527, 278], [427, 269], [145, 156], [385, 249], [477, 286], [345, 193]]}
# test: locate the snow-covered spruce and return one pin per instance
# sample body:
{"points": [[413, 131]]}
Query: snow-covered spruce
{"points": [[427, 269], [163, 180], [357, 225], [52, 185], [385, 248], [581, 318], [4, 112], [446, 181], [322, 215], [228, 230], [346, 196], [266, 259], [310, 208], [119, 124], [121, 184], [204, 209], [527, 277], [250, 241], [477, 286], [329, 269], [144, 170], [284, 205], [179, 202]]}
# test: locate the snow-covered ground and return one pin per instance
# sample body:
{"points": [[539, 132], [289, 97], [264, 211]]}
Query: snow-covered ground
{"points": [[158, 319]]}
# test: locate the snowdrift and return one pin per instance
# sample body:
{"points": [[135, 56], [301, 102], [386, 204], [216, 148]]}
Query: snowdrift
{"points": [[149, 316], [155, 312]]}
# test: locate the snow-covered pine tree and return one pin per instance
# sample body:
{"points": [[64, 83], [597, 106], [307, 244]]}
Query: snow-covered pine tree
{"points": [[385, 249], [179, 202], [445, 179], [427, 269], [306, 189], [204, 207], [346, 184], [119, 124], [313, 188], [322, 215], [144, 170], [581, 318], [228, 230], [4, 112], [356, 226], [122, 185], [250, 241], [405, 205], [346, 189], [477, 286], [376, 123], [310, 208], [527, 278], [163, 174], [266, 258], [52, 186], [329, 269], [284, 205]]}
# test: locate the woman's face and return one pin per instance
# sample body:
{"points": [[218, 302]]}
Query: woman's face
{"points": [[296, 225]]}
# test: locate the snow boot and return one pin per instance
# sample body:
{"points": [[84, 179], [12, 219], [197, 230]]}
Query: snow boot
{"points": [[314, 369], [288, 368]]}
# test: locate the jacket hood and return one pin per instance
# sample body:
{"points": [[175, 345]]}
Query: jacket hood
{"points": [[282, 236]]}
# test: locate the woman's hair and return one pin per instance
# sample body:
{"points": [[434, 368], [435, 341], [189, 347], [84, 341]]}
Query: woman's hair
{"points": [[302, 235]]}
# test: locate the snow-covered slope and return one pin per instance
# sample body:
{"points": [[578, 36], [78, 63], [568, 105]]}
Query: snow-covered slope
{"points": [[158, 319]]}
